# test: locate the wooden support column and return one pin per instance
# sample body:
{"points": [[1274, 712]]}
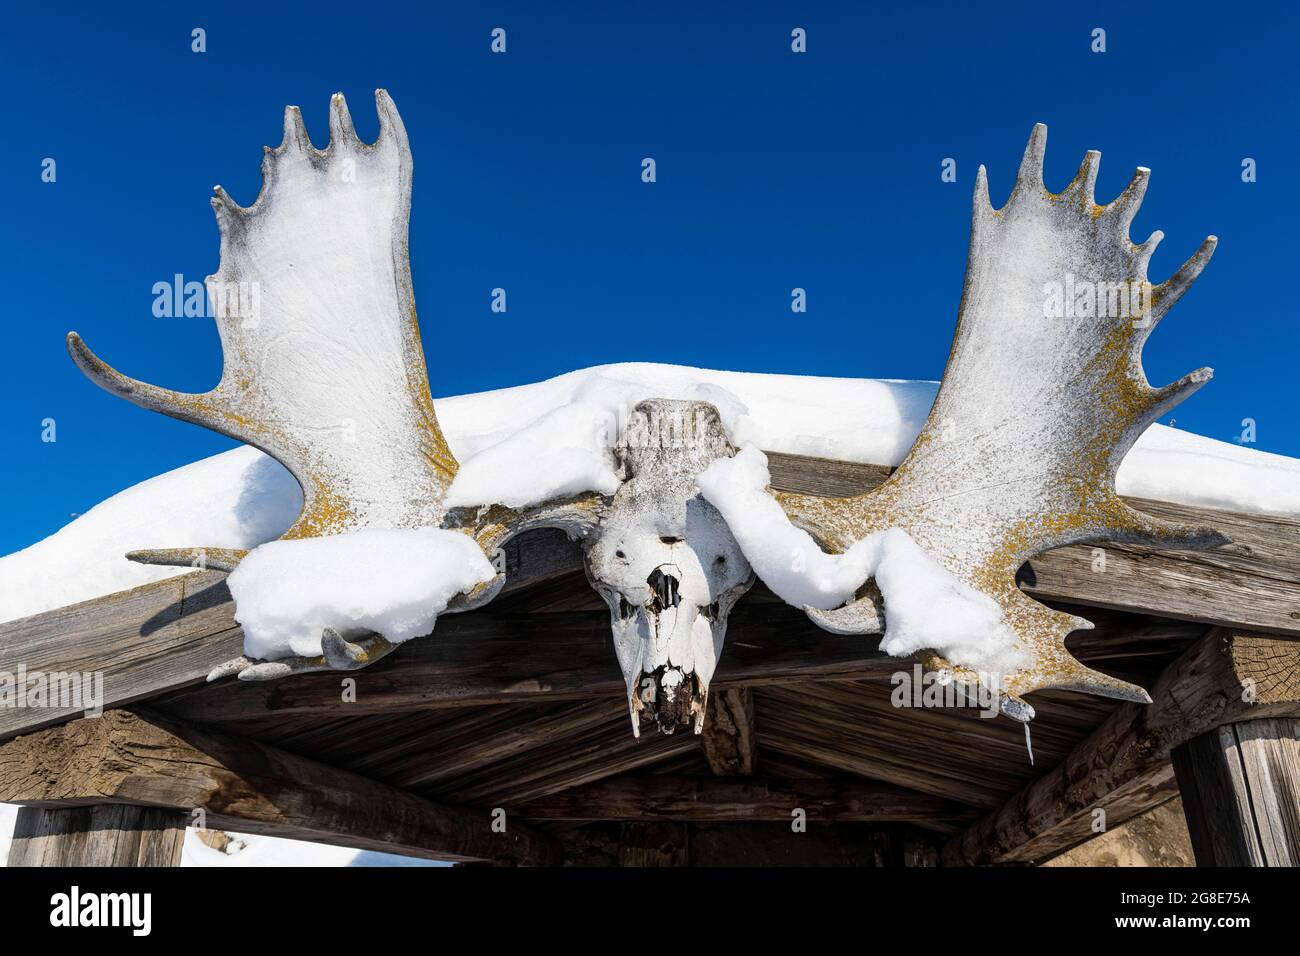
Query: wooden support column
{"points": [[1241, 793], [102, 835]]}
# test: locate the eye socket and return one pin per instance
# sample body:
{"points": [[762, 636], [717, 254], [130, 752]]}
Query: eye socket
{"points": [[668, 539], [720, 559], [619, 554]]}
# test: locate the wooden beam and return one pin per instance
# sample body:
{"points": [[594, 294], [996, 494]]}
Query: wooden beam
{"points": [[728, 741], [670, 797], [1241, 793], [168, 635], [103, 835], [1252, 583], [487, 658], [1123, 768], [147, 760]]}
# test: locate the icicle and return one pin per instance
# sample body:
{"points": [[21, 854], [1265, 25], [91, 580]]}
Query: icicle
{"points": [[1029, 744]]}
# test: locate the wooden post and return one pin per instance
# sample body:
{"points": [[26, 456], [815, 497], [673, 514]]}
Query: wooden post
{"points": [[1123, 767], [101, 835], [1241, 793]]}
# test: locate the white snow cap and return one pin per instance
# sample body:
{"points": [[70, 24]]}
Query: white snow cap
{"points": [[554, 437], [926, 607], [393, 583]]}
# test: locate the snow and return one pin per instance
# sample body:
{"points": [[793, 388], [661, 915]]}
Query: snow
{"points": [[388, 581], [564, 453], [554, 436], [248, 850], [237, 499], [926, 606]]}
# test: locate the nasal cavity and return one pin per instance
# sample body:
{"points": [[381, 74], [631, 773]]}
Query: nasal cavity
{"points": [[665, 589]]}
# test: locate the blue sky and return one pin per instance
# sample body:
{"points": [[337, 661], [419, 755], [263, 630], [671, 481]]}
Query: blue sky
{"points": [[775, 170]]}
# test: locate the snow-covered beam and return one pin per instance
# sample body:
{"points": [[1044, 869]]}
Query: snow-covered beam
{"points": [[1123, 768], [168, 635], [144, 759]]}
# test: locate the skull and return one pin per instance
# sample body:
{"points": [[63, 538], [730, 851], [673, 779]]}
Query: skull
{"points": [[666, 563]]}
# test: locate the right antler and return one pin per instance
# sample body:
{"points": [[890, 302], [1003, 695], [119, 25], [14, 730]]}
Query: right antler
{"points": [[1035, 413]]}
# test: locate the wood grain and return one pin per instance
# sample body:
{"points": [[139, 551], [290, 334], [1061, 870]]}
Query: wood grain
{"points": [[147, 760], [682, 798], [1123, 768], [1241, 793], [100, 836]]}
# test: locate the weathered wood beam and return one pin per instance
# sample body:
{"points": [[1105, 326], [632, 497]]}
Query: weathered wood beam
{"points": [[486, 658], [1241, 793], [671, 797], [1123, 768], [728, 741], [147, 760], [170, 634], [103, 835]]}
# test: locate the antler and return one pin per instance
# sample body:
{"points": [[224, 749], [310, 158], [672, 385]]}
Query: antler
{"points": [[323, 366], [1034, 415]]}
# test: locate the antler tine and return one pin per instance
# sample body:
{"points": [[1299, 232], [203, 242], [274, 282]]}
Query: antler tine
{"points": [[215, 559], [1160, 400], [1030, 175], [1084, 184], [1166, 294], [1136, 527], [342, 132], [1083, 679], [1147, 249], [295, 131], [230, 215], [1125, 206], [390, 121], [198, 408]]}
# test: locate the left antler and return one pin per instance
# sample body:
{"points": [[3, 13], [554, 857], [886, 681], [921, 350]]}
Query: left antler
{"points": [[1035, 413], [323, 366]]}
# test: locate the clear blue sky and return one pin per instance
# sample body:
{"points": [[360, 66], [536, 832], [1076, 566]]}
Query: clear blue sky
{"points": [[775, 170]]}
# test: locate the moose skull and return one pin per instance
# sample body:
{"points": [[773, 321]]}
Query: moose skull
{"points": [[666, 563]]}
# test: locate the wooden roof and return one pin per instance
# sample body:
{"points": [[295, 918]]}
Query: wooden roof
{"points": [[521, 705]]}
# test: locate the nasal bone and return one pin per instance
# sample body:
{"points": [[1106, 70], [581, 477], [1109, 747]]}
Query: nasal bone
{"points": [[665, 588]]}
